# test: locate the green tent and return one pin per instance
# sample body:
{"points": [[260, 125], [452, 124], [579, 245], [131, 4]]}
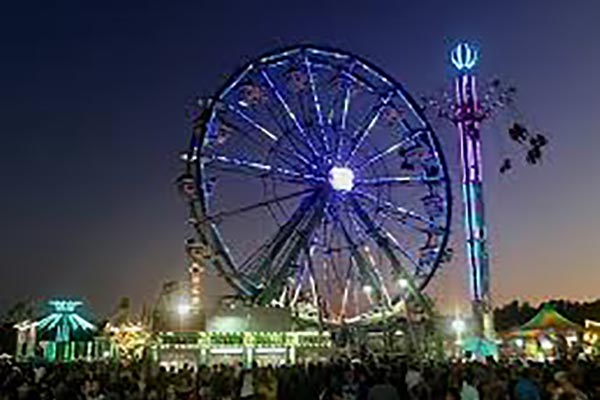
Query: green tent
{"points": [[549, 318], [546, 320], [480, 347]]}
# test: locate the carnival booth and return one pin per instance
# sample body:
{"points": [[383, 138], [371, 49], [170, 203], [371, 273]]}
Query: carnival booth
{"points": [[591, 338], [61, 335], [548, 335]]}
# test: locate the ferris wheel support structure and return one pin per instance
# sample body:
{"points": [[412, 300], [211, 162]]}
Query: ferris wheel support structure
{"points": [[468, 118]]}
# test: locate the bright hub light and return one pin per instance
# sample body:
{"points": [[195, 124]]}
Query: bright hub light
{"points": [[341, 179], [458, 325], [403, 283], [367, 289], [183, 309]]}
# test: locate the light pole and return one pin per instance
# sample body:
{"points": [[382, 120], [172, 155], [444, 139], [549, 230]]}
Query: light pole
{"points": [[458, 326]]}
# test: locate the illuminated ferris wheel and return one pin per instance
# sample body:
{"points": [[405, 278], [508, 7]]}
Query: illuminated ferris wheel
{"points": [[316, 183]]}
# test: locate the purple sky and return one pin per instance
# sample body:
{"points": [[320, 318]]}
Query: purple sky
{"points": [[92, 103]]}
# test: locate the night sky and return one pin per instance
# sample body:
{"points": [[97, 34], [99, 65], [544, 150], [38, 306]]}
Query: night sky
{"points": [[92, 111]]}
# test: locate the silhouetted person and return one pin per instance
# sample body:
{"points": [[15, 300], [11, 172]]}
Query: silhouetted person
{"points": [[518, 133], [506, 166]]}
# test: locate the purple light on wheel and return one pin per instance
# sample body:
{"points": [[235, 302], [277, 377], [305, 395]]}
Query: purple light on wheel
{"points": [[341, 179]]}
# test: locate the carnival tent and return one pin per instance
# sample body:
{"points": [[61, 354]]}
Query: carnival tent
{"points": [[546, 320], [480, 347]]}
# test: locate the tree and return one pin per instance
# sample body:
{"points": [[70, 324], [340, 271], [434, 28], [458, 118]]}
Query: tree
{"points": [[20, 311]]}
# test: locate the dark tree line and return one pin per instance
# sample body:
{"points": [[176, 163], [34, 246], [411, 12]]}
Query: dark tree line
{"points": [[20, 311], [515, 313]]}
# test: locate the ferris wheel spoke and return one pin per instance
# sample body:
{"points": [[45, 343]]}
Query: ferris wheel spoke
{"points": [[384, 205], [329, 245], [299, 285], [252, 122], [382, 241], [396, 180], [224, 214], [394, 242], [361, 232], [363, 131], [312, 277], [428, 227], [384, 289], [345, 108], [361, 263], [293, 160], [346, 287], [297, 145], [356, 300], [294, 142], [390, 150], [346, 104], [316, 102], [294, 153], [289, 113], [335, 245], [332, 275], [260, 170], [343, 121]]}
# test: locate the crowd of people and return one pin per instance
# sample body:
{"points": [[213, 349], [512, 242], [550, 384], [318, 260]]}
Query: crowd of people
{"points": [[385, 379]]}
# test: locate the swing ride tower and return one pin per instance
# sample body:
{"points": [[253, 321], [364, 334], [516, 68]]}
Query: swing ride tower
{"points": [[468, 117]]}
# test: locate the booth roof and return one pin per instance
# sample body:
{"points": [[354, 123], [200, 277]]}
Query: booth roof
{"points": [[546, 319]]}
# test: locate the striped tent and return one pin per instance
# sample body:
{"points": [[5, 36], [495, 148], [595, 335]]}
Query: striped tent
{"points": [[546, 320]]}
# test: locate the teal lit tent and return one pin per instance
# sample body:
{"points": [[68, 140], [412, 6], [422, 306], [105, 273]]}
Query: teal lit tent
{"points": [[64, 334], [480, 348]]}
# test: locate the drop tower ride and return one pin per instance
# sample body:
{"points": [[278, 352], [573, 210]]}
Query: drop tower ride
{"points": [[468, 117]]}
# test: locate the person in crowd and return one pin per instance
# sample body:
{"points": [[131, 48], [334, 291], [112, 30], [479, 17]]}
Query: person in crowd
{"points": [[566, 389], [452, 394], [247, 385], [383, 389], [527, 388], [469, 389]]}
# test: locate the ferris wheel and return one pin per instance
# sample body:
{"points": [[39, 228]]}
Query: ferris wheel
{"points": [[316, 183]]}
